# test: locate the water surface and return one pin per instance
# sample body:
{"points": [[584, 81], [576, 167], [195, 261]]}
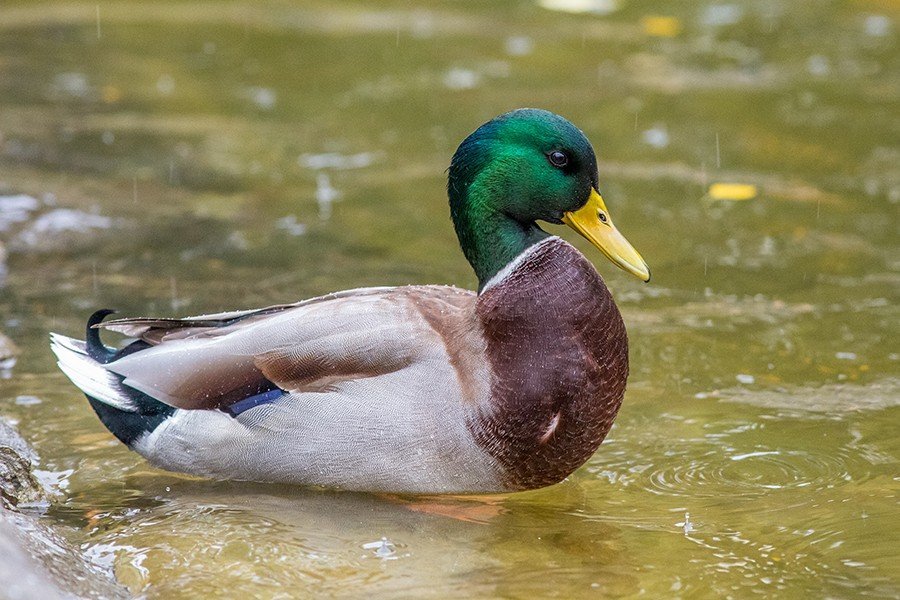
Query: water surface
{"points": [[185, 157]]}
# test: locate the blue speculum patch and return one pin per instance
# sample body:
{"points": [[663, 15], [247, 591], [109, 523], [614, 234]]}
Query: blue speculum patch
{"points": [[254, 401]]}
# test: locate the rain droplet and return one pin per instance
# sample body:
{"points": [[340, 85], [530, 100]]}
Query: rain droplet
{"points": [[818, 65], [165, 85], [290, 225], [27, 400], [263, 97], [657, 136], [877, 26], [686, 525], [325, 195], [719, 15], [519, 45], [383, 548], [461, 79]]}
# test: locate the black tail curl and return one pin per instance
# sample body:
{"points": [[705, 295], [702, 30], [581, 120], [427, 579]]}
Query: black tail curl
{"points": [[96, 349], [126, 425]]}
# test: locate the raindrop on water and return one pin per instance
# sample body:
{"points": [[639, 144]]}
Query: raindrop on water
{"points": [[325, 195], [461, 79], [877, 26], [383, 548], [657, 136], [686, 525], [519, 45], [165, 85]]}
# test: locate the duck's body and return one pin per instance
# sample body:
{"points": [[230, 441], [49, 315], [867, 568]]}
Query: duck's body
{"points": [[420, 389]]}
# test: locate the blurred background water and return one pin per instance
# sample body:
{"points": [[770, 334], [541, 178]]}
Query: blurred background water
{"points": [[183, 157]]}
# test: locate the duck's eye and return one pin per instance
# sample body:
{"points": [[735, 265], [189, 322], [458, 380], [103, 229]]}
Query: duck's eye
{"points": [[558, 159], [602, 217]]}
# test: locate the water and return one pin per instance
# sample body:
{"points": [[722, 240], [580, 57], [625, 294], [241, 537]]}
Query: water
{"points": [[219, 156]]}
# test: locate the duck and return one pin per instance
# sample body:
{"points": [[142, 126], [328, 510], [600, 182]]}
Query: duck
{"points": [[418, 389]]}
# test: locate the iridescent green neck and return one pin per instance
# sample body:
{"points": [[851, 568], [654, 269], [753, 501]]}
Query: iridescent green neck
{"points": [[489, 239], [501, 182]]}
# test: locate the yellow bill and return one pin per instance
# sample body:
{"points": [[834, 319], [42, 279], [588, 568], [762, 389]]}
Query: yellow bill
{"points": [[594, 223]]}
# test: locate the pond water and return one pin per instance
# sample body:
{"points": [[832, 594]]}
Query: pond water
{"points": [[185, 157]]}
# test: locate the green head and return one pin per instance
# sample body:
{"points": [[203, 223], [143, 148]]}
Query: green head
{"points": [[525, 166]]}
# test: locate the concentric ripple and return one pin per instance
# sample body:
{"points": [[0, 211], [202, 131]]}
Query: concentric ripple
{"points": [[719, 464], [754, 472]]}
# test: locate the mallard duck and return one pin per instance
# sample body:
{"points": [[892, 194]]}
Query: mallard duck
{"points": [[415, 389]]}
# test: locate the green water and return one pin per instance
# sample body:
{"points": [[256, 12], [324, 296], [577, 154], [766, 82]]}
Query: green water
{"points": [[194, 139]]}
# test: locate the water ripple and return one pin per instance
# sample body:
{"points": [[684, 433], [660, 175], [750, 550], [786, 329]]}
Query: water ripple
{"points": [[727, 459], [711, 474]]}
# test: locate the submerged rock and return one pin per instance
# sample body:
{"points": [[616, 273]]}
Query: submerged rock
{"points": [[37, 562], [7, 350]]}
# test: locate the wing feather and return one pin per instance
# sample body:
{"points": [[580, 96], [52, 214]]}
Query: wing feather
{"points": [[213, 361]]}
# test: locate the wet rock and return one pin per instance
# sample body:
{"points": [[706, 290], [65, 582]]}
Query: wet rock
{"points": [[18, 485], [38, 563], [3, 269], [8, 352], [10, 438], [7, 349], [20, 575]]}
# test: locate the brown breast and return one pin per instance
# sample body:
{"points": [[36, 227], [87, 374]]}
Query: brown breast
{"points": [[558, 352]]}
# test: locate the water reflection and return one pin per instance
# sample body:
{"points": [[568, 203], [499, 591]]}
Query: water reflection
{"points": [[475, 545]]}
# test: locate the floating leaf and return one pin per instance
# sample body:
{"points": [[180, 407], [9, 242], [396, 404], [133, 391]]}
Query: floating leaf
{"points": [[111, 94], [661, 26], [733, 191]]}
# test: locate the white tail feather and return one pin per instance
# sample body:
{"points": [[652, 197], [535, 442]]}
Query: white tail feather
{"points": [[89, 375], [68, 343]]}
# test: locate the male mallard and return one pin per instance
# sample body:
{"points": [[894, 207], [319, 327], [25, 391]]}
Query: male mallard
{"points": [[419, 389]]}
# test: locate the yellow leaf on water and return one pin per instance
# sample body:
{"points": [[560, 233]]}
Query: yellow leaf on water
{"points": [[661, 26], [111, 94], [733, 191]]}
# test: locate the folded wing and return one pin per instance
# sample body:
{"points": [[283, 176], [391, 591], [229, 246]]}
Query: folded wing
{"points": [[213, 361]]}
